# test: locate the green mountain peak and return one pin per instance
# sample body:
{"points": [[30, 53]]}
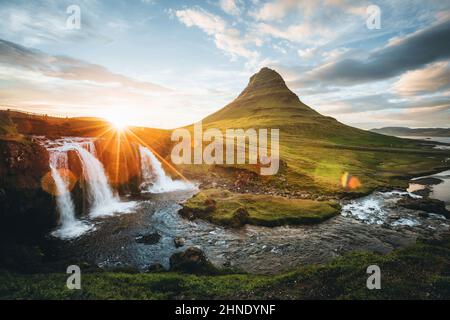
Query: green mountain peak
{"points": [[266, 98]]}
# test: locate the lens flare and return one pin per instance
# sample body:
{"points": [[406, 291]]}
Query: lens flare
{"points": [[350, 182], [48, 183]]}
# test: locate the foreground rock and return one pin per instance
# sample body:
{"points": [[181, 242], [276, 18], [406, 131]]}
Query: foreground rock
{"points": [[193, 260], [149, 239], [425, 204], [179, 242], [155, 267]]}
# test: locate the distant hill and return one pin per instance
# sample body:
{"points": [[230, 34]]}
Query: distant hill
{"points": [[404, 131]]}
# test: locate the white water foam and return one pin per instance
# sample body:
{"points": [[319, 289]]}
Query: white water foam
{"points": [[155, 179], [70, 227], [102, 200]]}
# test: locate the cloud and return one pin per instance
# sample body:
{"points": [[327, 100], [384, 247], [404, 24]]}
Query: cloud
{"points": [[383, 110], [400, 55], [275, 10], [306, 53], [301, 33], [230, 7], [279, 9], [226, 38], [36, 81], [432, 78], [33, 23], [66, 68]]}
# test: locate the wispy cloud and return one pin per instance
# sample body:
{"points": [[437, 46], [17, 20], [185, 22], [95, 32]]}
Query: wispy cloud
{"points": [[67, 68], [430, 79], [231, 7], [225, 37]]}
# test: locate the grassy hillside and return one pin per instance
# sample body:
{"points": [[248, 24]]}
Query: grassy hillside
{"points": [[8, 130], [316, 150]]}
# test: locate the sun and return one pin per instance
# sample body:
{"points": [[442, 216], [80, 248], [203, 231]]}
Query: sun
{"points": [[118, 122]]}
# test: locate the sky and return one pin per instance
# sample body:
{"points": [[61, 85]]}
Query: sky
{"points": [[170, 63]]}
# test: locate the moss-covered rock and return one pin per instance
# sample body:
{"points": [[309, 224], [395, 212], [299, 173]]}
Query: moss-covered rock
{"points": [[236, 209]]}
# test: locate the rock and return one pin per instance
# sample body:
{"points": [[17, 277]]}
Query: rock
{"points": [[428, 181], [26, 210], [149, 239], [193, 260], [179, 241], [425, 192], [154, 267], [240, 217], [423, 215], [425, 204], [192, 213]]}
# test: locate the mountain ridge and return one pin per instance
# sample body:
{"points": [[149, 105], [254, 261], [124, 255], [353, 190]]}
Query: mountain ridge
{"points": [[315, 150], [405, 131]]}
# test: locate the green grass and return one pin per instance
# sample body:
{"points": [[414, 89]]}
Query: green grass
{"points": [[316, 150], [417, 272], [219, 206], [8, 130]]}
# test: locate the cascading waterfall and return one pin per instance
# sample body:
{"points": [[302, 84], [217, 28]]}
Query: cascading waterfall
{"points": [[70, 226], [100, 195], [154, 178], [101, 198]]}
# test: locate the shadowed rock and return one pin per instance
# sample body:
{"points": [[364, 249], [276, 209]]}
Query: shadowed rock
{"points": [[425, 204], [149, 239], [193, 260]]}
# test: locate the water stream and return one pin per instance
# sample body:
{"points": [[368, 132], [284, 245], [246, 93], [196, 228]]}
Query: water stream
{"points": [[155, 179], [373, 223]]}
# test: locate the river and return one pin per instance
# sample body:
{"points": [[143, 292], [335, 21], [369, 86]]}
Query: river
{"points": [[111, 235], [372, 223]]}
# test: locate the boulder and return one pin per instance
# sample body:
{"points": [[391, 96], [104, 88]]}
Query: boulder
{"points": [[179, 242], [149, 239], [427, 181], [425, 204], [154, 267], [193, 260]]}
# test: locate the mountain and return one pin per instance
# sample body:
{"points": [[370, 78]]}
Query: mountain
{"points": [[315, 150], [405, 131], [267, 102]]}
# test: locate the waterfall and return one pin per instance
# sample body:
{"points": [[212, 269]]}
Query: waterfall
{"points": [[99, 192], [100, 195], [70, 226], [154, 178]]}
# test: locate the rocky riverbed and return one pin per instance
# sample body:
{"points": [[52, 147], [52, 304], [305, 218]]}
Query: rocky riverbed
{"points": [[155, 231]]}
